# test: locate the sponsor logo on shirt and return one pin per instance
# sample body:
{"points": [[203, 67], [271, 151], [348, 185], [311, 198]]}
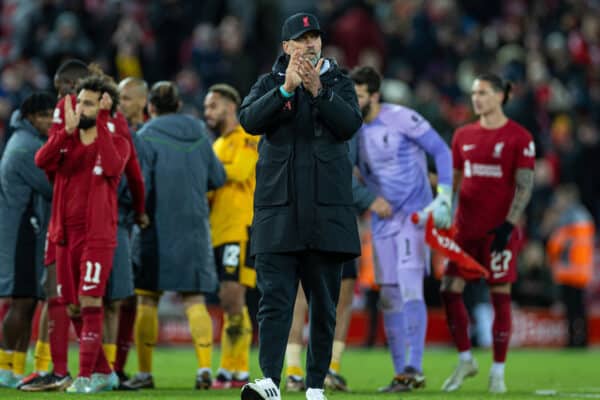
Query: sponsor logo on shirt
{"points": [[468, 147], [491, 170], [97, 170], [111, 127], [485, 170], [498, 149], [529, 151]]}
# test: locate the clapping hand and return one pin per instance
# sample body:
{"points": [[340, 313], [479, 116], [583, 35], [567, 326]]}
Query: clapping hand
{"points": [[292, 74], [71, 116], [311, 75], [106, 101]]}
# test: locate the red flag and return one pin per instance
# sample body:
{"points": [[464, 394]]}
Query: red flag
{"points": [[441, 241]]}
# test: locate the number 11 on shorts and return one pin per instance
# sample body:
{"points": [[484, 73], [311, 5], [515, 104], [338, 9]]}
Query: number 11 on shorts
{"points": [[92, 272]]}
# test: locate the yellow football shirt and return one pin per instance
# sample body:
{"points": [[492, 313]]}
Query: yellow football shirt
{"points": [[232, 204]]}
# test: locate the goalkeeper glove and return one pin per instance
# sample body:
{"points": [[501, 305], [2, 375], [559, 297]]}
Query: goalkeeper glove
{"points": [[441, 207]]}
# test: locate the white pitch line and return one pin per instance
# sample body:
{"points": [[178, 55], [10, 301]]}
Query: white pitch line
{"points": [[583, 395]]}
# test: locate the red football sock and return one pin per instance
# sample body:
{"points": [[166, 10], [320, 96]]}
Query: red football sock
{"points": [[90, 341], [457, 319], [125, 332], [102, 365], [58, 335], [502, 325], [77, 325]]}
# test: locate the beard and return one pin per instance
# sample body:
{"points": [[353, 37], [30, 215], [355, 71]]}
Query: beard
{"points": [[86, 122], [365, 110], [216, 126], [313, 58]]}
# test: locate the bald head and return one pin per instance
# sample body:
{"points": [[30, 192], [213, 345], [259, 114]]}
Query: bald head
{"points": [[133, 94]]}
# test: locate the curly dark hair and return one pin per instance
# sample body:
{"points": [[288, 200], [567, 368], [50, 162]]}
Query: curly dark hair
{"points": [[101, 83], [37, 102], [367, 76]]}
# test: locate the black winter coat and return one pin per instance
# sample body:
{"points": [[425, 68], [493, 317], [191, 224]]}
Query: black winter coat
{"points": [[303, 198]]}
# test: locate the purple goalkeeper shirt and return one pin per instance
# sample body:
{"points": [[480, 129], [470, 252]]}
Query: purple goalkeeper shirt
{"points": [[394, 165]]}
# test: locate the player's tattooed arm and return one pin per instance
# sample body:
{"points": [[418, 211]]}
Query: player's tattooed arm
{"points": [[524, 183]]}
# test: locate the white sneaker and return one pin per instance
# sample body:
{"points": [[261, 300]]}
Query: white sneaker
{"points": [[315, 394], [261, 389], [464, 369], [496, 384]]}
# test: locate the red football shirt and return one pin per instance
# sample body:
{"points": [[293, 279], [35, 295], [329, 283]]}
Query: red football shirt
{"points": [[488, 159], [78, 186]]}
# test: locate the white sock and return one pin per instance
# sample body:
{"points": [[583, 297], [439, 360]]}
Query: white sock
{"points": [[224, 372], [465, 355], [292, 354], [240, 375], [201, 370], [143, 375], [497, 368]]}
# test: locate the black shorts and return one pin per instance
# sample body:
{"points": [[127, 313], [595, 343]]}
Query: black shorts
{"points": [[349, 269], [24, 277], [120, 283], [231, 260]]}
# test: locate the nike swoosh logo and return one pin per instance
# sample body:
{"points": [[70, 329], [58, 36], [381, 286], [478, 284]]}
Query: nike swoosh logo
{"points": [[88, 287], [468, 147], [499, 274]]}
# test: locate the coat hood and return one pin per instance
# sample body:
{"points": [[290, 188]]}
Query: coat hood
{"points": [[21, 124], [177, 126]]}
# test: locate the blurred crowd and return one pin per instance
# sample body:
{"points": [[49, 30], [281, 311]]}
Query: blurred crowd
{"points": [[429, 51]]}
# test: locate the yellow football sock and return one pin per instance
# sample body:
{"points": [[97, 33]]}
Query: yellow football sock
{"points": [[19, 359], [292, 357], [42, 358], [6, 360], [229, 339], [336, 355], [242, 347], [145, 335], [201, 330], [110, 351]]}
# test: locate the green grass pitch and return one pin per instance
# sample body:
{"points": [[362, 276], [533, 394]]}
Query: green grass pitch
{"points": [[571, 374]]}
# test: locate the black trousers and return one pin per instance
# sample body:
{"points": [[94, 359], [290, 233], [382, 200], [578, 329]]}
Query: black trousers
{"points": [[574, 300], [278, 275]]}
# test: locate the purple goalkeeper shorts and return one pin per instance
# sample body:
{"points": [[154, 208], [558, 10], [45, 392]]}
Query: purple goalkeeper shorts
{"points": [[404, 249]]}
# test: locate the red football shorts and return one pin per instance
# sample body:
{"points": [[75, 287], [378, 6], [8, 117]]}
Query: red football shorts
{"points": [[82, 271], [502, 267]]}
